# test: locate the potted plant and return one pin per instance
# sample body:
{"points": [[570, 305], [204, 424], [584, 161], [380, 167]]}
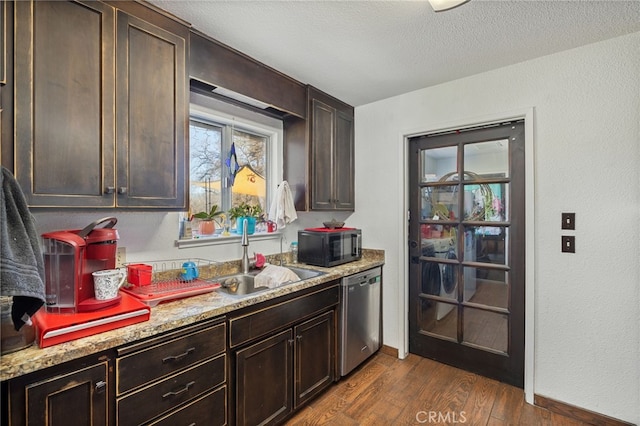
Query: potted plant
{"points": [[207, 224], [244, 211]]}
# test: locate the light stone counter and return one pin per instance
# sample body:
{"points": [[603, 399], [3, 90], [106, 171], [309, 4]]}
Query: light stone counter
{"points": [[169, 316]]}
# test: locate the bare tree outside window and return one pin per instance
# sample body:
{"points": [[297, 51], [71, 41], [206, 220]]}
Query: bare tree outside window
{"points": [[210, 145]]}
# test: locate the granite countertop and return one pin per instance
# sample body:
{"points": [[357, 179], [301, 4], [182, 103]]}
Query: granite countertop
{"points": [[169, 316]]}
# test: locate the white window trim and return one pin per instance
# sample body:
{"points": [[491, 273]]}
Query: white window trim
{"points": [[227, 114]]}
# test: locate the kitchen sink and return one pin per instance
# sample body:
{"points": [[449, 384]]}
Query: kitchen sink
{"points": [[304, 273], [243, 284], [239, 285]]}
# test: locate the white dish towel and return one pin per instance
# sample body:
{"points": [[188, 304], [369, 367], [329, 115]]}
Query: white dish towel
{"points": [[282, 209], [273, 276]]}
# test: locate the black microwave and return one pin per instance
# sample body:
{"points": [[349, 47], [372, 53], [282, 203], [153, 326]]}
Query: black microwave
{"points": [[329, 247]]}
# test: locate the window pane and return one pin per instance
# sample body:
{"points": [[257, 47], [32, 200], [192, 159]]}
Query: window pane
{"points": [[487, 158], [205, 166], [486, 202], [438, 318], [490, 245], [440, 202], [439, 163], [486, 329], [486, 286], [250, 185]]}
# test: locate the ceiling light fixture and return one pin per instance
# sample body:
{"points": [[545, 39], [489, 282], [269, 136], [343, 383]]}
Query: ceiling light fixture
{"points": [[442, 5]]}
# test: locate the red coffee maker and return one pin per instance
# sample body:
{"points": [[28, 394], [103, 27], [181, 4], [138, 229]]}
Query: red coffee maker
{"points": [[70, 257]]}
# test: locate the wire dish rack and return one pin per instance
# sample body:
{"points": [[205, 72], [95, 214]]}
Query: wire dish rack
{"points": [[170, 279]]}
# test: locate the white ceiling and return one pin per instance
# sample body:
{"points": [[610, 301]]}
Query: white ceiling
{"points": [[364, 51]]}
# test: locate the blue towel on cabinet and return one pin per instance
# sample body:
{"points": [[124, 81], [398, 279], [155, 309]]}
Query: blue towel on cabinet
{"points": [[21, 263]]}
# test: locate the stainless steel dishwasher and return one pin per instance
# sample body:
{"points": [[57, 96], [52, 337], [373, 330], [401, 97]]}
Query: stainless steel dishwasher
{"points": [[360, 328]]}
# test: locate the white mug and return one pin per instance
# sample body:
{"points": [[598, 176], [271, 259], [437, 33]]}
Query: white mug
{"points": [[107, 282]]}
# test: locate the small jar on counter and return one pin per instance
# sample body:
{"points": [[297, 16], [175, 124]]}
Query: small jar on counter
{"points": [[294, 252]]}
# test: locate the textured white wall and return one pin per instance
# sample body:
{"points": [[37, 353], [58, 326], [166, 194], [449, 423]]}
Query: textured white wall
{"points": [[587, 157]]}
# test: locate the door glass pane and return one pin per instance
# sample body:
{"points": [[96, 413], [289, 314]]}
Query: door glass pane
{"points": [[486, 202], [440, 203], [486, 329], [487, 158], [486, 286], [438, 318], [440, 279], [490, 245], [439, 164], [444, 246]]}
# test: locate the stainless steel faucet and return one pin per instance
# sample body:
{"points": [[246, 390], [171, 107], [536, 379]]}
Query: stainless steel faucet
{"points": [[245, 247]]}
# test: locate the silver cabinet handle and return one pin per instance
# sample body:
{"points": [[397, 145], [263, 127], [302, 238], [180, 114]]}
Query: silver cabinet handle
{"points": [[110, 190], [173, 358], [299, 337], [122, 190], [176, 393], [100, 386]]}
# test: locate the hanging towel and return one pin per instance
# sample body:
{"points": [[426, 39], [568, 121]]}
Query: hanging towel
{"points": [[282, 210], [21, 264]]}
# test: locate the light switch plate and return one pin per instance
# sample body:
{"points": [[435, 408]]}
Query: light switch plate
{"points": [[568, 244], [568, 221]]}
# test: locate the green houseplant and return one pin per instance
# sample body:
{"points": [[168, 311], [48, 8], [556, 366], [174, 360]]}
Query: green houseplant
{"points": [[207, 224], [250, 212]]}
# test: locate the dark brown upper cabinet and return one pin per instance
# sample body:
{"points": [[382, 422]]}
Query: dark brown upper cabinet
{"points": [[101, 105], [319, 155], [3, 39], [218, 65]]}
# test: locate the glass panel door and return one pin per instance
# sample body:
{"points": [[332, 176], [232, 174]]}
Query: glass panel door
{"points": [[467, 250]]}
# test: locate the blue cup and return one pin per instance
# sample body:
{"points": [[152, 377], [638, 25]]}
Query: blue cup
{"points": [[189, 271]]}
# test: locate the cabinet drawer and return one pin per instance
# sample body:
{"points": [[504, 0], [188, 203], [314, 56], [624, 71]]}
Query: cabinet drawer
{"points": [[167, 358], [151, 401], [209, 409], [278, 316]]}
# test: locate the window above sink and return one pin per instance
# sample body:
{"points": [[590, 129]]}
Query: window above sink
{"points": [[216, 127]]}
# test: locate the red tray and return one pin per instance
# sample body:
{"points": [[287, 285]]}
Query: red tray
{"points": [[53, 328], [164, 291]]}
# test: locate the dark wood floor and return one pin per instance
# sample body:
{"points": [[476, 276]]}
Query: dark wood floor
{"points": [[389, 391]]}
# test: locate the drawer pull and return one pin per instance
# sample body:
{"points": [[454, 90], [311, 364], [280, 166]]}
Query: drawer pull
{"points": [[176, 393], [178, 357], [100, 387]]}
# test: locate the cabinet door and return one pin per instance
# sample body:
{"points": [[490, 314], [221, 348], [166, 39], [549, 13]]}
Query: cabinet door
{"points": [[64, 102], [78, 398], [315, 356], [264, 386], [152, 115], [322, 154], [344, 163]]}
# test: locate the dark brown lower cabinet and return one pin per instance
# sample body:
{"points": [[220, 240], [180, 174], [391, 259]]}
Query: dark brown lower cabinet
{"points": [[278, 374], [177, 378], [264, 384], [314, 357], [79, 397], [209, 409]]}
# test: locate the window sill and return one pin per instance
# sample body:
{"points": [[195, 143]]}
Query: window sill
{"points": [[220, 240]]}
